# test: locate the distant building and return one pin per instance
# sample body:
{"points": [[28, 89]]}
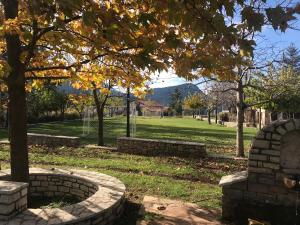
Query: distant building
{"points": [[149, 108]]}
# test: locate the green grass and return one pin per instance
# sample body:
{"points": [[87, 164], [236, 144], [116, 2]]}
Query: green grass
{"points": [[189, 180], [159, 128]]}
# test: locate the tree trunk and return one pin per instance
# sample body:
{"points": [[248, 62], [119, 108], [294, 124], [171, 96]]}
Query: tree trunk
{"points": [[62, 113], [128, 113], [240, 121], [216, 116], [259, 119], [17, 101], [100, 127], [208, 117], [253, 115], [100, 114]]}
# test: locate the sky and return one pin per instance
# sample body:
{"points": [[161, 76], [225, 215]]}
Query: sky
{"points": [[270, 40]]}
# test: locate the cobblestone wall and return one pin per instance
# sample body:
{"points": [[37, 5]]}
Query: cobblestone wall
{"points": [[150, 147], [274, 154]]}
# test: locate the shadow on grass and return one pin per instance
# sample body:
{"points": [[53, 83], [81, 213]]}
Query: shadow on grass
{"points": [[116, 127], [130, 215]]}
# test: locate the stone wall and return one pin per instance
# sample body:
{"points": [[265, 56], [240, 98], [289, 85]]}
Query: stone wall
{"points": [[13, 199], [150, 147], [52, 140], [274, 155], [102, 198], [50, 185]]}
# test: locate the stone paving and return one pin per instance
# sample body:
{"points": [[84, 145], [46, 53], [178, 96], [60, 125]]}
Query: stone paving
{"points": [[173, 212], [101, 208]]}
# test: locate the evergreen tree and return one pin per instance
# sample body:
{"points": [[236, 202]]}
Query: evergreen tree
{"points": [[176, 102], [291, 58]]}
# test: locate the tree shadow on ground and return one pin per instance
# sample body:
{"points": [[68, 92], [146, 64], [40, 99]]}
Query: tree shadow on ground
{"points": [[130, 215], [211, 135]]}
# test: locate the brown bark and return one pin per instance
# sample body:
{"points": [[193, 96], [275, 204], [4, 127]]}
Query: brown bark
{"points": [[209, 117], [240, 121], [259, 118], [17, 101], [216, 116], [100, 114], [128, 113]]}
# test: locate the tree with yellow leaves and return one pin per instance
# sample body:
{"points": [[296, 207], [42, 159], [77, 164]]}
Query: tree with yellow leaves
{"points": [[42, 39], [101, 77]]}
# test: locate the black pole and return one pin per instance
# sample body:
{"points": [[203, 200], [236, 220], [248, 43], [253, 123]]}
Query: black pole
{"points": [[128, 113]]}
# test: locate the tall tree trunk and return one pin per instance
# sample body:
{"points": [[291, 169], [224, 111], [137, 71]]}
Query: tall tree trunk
{"points": [[259, 119], [100, 114], [128, 113], [209, 117], [216, 115], [240, 121], [17, 101]]}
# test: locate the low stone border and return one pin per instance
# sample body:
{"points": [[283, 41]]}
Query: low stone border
{"points": [[152, 147], [52, 140], [102, 198]]}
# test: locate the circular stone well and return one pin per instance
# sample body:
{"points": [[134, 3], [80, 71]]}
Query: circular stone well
{"points": [[101, 198]]}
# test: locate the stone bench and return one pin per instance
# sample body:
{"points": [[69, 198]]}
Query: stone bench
{"points": [[52, 140], [151, 147]]}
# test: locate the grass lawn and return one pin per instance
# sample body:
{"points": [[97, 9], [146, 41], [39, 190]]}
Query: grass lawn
{"points": [[189, 180], [218, 138]]}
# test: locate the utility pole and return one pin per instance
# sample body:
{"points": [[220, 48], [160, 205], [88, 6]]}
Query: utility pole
{"points": [[128, 112]]}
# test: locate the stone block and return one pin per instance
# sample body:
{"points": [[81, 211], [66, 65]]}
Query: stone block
{"points": [[290, 126], [261, 188], [258, 157], [266, 180], [276, 137], [21, 202], [281, 130], [44, 183], [254, 151], [7, 209], [260, 170], [274, 166], [261, 144], [268, 136], [35, 183], [275, 147], [252, 163], [84, 188], [271, 152], [274, 159]]}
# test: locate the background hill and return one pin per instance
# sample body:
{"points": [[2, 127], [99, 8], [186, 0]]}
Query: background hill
{"points": [[160, 95], [163, 95]]}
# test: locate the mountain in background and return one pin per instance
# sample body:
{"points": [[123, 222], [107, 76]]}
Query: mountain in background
{"points": [[160, 95], [163, 95]]}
